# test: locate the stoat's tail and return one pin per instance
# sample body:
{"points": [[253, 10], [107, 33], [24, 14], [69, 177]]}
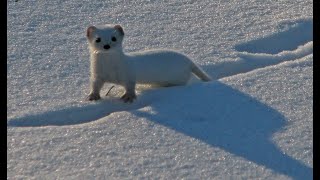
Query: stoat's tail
{"points": [[200, 73]]}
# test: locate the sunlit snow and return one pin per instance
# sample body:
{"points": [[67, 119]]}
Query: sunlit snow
{"points": [[253, 121]]}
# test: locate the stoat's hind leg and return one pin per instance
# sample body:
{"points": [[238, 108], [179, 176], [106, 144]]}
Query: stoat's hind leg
{"points": [[130, 93]]}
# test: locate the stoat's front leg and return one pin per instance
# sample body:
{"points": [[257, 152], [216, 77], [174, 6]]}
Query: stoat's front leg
{"points": [[95, 85], [130, 93]]}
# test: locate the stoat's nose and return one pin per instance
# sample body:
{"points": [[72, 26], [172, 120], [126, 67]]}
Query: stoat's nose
{"points": [[106, 46]]}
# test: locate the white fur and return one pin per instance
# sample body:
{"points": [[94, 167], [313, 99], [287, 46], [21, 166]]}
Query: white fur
{"points": [[157, 67]]}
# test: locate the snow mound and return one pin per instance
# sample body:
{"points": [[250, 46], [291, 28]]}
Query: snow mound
{"points": [[290, 35], [293, 41]]}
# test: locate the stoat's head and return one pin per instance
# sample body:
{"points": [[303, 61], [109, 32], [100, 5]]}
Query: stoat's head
{"points": [[105, 38]]}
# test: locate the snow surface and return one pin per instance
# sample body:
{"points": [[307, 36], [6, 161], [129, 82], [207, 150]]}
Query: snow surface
{"points": [[254, 121]]}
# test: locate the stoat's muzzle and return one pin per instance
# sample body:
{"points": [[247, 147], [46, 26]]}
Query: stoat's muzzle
{"points": [[107, 46]]}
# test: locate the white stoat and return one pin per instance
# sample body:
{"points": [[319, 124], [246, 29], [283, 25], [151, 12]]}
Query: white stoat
{"points": [[110, 64]]}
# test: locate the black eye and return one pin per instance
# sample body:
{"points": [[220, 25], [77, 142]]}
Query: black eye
{"points": [[98, 40], [114, 39]]}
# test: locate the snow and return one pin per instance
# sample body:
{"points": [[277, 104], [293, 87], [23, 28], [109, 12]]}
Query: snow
{"points": [[254, 121]]}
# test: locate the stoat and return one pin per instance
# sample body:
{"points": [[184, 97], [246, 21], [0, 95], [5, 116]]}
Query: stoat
{"points": [[108, 63]]}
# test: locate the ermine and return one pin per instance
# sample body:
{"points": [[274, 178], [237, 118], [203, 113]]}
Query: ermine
{"points": [[108, 63]]}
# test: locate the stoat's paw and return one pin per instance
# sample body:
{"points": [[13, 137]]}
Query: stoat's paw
{"points": [[93, 97], [128, 97]]}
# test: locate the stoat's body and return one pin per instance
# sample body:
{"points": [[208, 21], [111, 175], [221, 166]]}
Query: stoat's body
{"points": [[110, 64]]}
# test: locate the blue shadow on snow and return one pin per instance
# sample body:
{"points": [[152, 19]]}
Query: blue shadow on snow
{"points": [[239, 123], [71, 115]]}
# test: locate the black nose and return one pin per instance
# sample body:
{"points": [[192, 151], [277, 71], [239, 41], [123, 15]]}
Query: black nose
{"points": [[106, 46]]}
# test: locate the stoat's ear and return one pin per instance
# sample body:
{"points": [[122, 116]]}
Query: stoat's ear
{"points": [[119, 28], [90, 30]]}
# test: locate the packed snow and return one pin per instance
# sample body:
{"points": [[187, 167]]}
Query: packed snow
{"points": [[253, 121]]}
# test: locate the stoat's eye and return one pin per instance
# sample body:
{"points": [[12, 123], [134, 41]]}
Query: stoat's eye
{"points": [[98, 40], [114, 39]]}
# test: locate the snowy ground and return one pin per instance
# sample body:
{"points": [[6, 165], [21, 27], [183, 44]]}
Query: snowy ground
{"points": [[253, 121]]}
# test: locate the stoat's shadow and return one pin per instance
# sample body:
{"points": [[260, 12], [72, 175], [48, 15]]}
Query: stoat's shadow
{"points": [[239, 124], [89, 112]]}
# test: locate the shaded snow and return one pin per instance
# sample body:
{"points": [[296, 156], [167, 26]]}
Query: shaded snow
{"points": [[253, 121]]}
